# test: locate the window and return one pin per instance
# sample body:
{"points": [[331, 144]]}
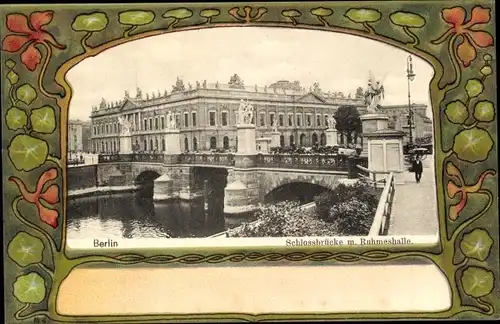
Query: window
{"points": [[224, 118], [151, 144], [195, 144], [94, 130], [326, 121], [162, 122], [145, 145], [151, 124], [262, 119], [299, 120], [102, 128], [280, 120], [177, 120], [212, 118], [309, 120], [226, 142], [290, 120], [145, 124], [186, 120], [193, 115], [213, 142], [318, 120], [271, 119], [163, 144], [186, 144], [156, 123], [291, 140], [106, 147], [107, 129], [282, 141]]}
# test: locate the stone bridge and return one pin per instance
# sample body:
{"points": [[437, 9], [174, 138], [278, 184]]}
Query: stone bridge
{"points": [[248, 179]]}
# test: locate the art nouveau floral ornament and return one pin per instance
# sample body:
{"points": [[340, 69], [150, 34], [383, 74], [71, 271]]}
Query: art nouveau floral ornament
{"points": [[36, 128], [28, 35], [471, 37]]}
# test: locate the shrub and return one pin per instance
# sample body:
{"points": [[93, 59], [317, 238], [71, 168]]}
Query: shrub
{"points": [[351, 217], [284, 219], [362, 190]]}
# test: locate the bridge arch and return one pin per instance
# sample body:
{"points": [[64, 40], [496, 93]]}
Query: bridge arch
{"points": [[303, 192], [273, 180], [146, 176]]}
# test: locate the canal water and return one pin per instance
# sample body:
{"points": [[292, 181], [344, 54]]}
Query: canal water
{"points": [[135, 215]]}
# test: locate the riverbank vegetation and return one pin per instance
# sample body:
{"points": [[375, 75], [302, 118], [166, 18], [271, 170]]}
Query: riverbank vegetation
{"points": [[346, 210]]}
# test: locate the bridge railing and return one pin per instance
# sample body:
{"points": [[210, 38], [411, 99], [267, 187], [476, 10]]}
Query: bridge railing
{"points": [[224, 159], [133, 157], [334, 162], [380, 224]]}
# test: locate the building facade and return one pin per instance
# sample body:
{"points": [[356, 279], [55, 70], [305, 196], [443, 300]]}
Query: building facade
{"points": [[398, 119], [206, 115], [79, 136]]}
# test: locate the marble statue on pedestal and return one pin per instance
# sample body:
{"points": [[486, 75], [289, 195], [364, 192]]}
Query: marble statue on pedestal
{"points": [[331, 122], [374, 94], [245, 113], [171, 123], [125, 126]]}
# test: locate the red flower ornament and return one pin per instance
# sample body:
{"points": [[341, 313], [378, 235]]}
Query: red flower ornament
{"points": [[30, 33], [471, 38], [456, 186], [38, 198]]}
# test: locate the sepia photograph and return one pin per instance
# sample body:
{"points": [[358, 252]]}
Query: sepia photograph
{"points": [[269, 137]]}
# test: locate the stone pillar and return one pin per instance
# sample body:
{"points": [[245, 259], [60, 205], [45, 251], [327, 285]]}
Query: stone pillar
{"points": [[275, 139], [331, 137], [263, 145], [246, 139], [371, 123], [164, 189], [242, 194], [385, 154], [172, 146], [126, 144]]}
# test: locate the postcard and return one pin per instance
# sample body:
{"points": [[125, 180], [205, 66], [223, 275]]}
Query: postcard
{"points": [[249, 161]]}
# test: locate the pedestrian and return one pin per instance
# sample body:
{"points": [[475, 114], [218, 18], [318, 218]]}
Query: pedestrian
{"points": [[417, 167]]}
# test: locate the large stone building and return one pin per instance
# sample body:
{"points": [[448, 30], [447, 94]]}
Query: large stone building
{"points": [[398, 120], [206, 115], [79, 136]]}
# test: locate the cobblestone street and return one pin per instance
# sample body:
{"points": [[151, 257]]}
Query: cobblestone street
{"points": [[414, 210]]}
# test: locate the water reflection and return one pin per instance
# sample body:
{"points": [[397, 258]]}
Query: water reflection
{"points": [[135, 215]]}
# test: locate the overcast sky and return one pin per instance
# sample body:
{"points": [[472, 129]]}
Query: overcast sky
{"points": [[258, 55]]}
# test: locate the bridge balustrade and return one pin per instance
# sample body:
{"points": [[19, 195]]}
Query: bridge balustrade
{"points": [[331, 162], [133, 157], [224, 159], [334, 162]]}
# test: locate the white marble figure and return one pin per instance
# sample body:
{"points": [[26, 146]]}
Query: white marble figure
{"points": [[331, 122], [274, 126], [171, 124], [374, 94], [125, 126], [248, 114]]}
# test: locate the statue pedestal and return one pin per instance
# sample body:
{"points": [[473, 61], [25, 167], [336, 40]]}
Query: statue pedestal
{"points": [[125, 144], [331, 137], [263, 144], [172, 141], [385, 153], [275, 139], [246, 140], [371, 123]]}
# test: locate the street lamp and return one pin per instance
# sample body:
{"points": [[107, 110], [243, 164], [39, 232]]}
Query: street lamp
{"points": [[411, 76]]}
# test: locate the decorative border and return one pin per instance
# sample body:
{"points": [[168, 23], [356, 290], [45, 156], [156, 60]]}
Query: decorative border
{"points": [[40, 47]]}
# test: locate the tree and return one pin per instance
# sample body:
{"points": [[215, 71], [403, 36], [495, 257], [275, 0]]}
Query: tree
{"points": [[348, 122]]}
